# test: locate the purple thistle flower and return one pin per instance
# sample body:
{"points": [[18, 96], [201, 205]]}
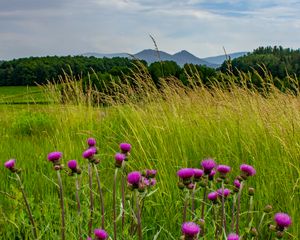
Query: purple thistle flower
{"points": [[248, 170], [89, 238], [72, 164], [146, 181], [150, 173], [185, 173], [89, 153], [213, 196], [120, 157], [211, 175], [54, 156], [223, 169], [152, 182], [10, 164], [282, 220], [125, 147], [208, 165], [233, 236], [91, 142], [100, 234], [190, 229], [237, 183], [198, 173], [134, 178], [226, 192]]}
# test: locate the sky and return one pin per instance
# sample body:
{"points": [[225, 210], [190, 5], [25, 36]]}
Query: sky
{"points": [[202, 27]]}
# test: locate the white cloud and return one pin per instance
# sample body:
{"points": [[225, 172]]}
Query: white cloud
{"points": [[200, 26]]}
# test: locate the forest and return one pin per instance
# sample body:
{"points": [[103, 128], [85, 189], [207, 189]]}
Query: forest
{"points": [[277, 62]]}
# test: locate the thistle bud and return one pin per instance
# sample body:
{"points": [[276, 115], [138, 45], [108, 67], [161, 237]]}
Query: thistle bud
{"points": [[253, 232], [251, 191], [279, 234], [268, 209]]}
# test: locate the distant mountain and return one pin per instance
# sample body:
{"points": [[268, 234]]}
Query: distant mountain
{"points": [[181, 58], [221, 58]]}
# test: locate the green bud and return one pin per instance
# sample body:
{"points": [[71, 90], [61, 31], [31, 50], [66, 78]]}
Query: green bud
{"points": [[251, 191], [268, 209]]}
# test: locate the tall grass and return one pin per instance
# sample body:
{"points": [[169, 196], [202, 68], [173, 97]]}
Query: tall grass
{"points": [[169, 128]]}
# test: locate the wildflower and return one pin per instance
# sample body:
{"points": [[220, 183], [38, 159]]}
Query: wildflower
{"points": [[247, 170], [150, 173], [119, 157], [213, 196], [100, 234], [211, 175], [282, 220], [89, 153], [198, 173], [208, 165], [226, 192], [186, 174], [233, 236], [10, 164], [125, 147], [237, 183], [54, 156], [190, 229], [152, 182], [223, 170], [72, 164], [134, 178], [91, 142]]}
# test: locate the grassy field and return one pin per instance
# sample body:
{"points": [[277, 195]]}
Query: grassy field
{"points": [[22, 95], [176, 130]]}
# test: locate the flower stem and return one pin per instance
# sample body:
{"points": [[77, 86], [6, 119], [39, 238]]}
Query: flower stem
{"points": [[233, 208], [27, 206], [261, 221], [123, 194], [185, 206], [203, 202], [138, 215], [101, 197], [78, 205], [193, 200], [90, 224], [238, 209], [61, 205], [223, 208], [114, 204]]}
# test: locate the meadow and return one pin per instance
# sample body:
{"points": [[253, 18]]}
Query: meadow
{"points": [[168, 130]]}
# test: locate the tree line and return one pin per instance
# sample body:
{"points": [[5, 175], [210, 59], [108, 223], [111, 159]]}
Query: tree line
{"points": [[278, 62]]}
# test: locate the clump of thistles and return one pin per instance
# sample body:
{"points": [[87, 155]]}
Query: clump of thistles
{"points": [[73, 166], [55, 157], [190, 230], [100, 234]]}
